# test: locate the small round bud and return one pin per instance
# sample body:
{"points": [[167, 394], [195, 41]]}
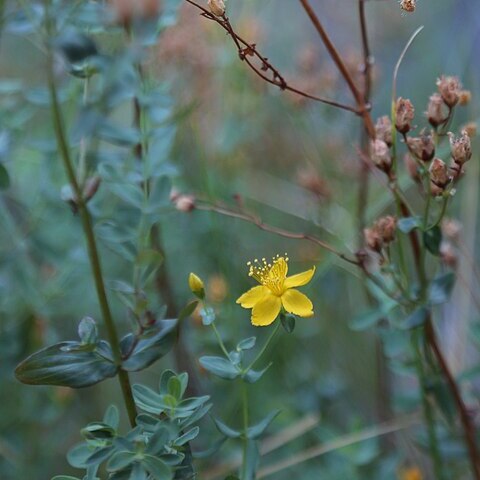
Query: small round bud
{"points": [[383, 130], [436, 110], [380, 154], [465, 97], [449, 88], [196, 286], [217, 7], [408, 5], [404, 113], [185, 203], [460, 147], [438, 174], [422, 147]]}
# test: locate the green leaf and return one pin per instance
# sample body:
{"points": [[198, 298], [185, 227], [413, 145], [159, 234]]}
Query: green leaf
{"points": [[187, 436], [220, 366], [158, 440], [164, 378], [257, 430], [407, 224], [416, 319], [148, 400], [288, 322], [226, 430], [441, 288], [188, 310], [78, 455], [157, 468], [98, 431], [4, 178], [174, 387], [88, 331], [253, 376], [120, 460], [246, 343], [152, 345], [112, 417], [432, 239], [67, 364]]}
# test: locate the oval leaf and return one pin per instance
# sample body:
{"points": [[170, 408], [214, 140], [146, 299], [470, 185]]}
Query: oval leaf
{"points": [[66, 364]]}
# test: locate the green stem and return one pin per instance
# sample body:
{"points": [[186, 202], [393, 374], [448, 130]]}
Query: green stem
{"points": [[265, 346], [220, 341], [91, 244], [245, 429], [427, 409]]}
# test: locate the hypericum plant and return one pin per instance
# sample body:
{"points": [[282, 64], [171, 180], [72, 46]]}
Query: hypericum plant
{"points": [[275, 300]]}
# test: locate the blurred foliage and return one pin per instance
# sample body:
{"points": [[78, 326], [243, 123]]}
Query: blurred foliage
{"points": [[211, 129]]}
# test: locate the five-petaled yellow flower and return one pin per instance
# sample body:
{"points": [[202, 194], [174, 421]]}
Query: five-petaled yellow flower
{"points": [[275, 291]]}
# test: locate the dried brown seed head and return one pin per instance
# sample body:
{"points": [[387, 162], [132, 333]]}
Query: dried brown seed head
{"points": [[422, 147], [439, 173], [404, 113], [380, 154], [386, 227], [217, 7], [383, 130], [436, 110], [408, 5], [460, 147], [449, 88]]}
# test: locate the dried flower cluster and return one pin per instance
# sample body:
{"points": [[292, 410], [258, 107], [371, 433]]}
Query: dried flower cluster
{"points": [[381, 233]]}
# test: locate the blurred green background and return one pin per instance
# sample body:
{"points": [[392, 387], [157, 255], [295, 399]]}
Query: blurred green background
{"points": [[292, 162]]}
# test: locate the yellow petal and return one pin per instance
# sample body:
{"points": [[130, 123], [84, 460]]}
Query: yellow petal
{"points": [[266, 310], [297, 303], [253, 296], [299, 279]]}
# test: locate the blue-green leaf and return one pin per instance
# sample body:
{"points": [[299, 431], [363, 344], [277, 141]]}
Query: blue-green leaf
{"points": [[441, 288], [226, 430], [67, 364], [406, 225], [157, 468], [253, 376], [220, 366], [246, 343], [152, 345], [257, 430]]}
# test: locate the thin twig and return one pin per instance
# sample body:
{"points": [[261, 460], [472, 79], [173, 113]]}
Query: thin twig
{"points": [[247, 51], [363, 108], [251, 218]]}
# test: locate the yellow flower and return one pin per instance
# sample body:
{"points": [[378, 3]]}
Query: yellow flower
{"points": [[275, 291]]}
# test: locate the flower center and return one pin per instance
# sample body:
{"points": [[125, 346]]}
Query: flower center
{"points": [[271, 275]]}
